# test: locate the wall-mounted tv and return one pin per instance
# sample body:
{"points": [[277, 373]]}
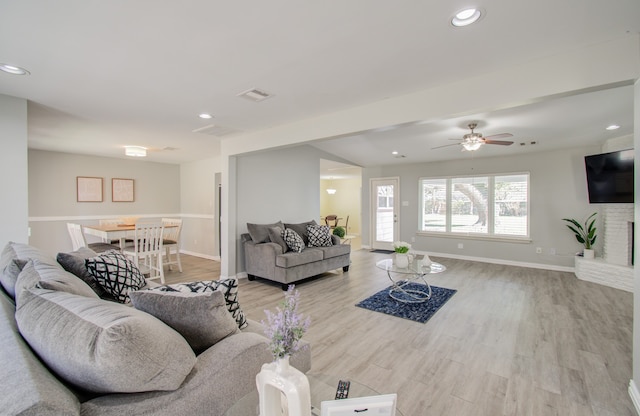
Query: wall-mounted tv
{"points": [[610, 177]]}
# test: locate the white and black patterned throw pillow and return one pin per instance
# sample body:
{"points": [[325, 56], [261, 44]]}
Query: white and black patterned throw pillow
{"points": [[293, 240], [116, 274], [229, 287], [319, 235]]}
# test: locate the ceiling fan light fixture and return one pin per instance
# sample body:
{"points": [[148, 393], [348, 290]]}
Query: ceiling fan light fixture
{"points": [[472, 145], [331, 191], [466, 17], [135, 151]]}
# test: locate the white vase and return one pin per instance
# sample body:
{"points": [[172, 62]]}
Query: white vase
{"points": [[402, 260], [283, 390], [589, 253], [426, 261]]}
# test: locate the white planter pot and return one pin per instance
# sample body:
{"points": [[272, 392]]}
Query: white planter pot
{"points": [[402, 260], [589, 253]]}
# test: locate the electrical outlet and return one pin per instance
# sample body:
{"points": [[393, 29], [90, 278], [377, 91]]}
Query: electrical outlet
{"points": [[460, 245], [538, 250], [413, 239]]}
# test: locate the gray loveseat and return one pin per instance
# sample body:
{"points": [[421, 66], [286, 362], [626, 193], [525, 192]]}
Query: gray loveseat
{"points": [[65, 351], [268, 257]]}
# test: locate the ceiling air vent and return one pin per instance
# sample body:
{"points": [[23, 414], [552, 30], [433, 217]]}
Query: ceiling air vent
{"points": [[255, 95], [215, 130]]}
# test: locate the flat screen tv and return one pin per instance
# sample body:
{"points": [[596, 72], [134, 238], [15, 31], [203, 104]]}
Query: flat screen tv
{"points": [[610, 177]]}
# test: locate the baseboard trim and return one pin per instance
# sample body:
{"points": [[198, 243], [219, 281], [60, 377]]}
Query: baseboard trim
{"points": [[503, 262], [203, 256], [635, 395]]}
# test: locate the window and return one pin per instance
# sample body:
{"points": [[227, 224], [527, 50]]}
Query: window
{"points": [[461, 205]]}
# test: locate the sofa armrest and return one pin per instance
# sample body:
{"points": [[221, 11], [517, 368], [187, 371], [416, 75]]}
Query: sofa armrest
{"points": [[335, 240], [260, 259], [223, 374]]}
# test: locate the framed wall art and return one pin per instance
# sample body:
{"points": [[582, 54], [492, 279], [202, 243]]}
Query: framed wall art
{"points": [[122, 190], [89, 189]]}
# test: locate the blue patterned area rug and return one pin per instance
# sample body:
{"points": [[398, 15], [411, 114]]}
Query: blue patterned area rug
{"points": [[419, 312]]}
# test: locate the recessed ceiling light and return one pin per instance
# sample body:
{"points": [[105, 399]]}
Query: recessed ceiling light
{"points": [[205, 116], [466, 17], [394, 153], [13, 70], [613, 127]]}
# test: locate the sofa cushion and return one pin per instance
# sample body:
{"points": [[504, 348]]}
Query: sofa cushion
{"points": [[116, 273], [301, 229], [319, 235], [74, 262], [8, 271], [30, 387], [335, 250], [292, 259], [201, 318], [275, 235], [293, 240], [228, 287], [100, 346], [260, 232]]}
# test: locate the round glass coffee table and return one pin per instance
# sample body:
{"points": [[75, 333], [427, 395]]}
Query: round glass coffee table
{"points": [[409, 284], [323, 387]]}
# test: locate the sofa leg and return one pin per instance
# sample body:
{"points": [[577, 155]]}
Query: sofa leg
{"points": [[345, 269], [284, 286], [251, 277]]}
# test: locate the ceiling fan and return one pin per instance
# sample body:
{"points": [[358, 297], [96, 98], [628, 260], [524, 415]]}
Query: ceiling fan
{"points": [[472, 141]]}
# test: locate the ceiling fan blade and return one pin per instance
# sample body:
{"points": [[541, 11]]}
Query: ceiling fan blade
{"points": [[500, 142], [499, 136], [446, 145]]}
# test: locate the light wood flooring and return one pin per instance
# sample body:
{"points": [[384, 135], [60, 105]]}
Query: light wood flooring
{"points": [[512, 341]]}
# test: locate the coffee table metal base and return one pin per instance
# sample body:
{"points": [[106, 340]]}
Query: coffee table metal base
{"points": [[414, 295]]}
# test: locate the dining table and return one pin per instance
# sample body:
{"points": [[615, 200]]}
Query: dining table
{"points": [[109, 232]]}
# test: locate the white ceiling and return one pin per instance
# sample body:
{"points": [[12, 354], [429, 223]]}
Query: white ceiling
{"points": [[115, 73]]}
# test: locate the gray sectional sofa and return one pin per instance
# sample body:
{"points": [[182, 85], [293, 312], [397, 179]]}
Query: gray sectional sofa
{"points": [[268, 257], [66, 351]]}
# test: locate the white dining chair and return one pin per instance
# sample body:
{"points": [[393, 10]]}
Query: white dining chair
{"points": [[78, 240], [147, 248], [171, 241]]}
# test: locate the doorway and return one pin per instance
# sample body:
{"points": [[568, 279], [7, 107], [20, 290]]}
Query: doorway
{"points": [[384, 212]]}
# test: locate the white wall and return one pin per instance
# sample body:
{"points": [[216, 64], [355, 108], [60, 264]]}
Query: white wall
{"points": [[13, 170], [53, 202], [198, 196], [636, 293]]}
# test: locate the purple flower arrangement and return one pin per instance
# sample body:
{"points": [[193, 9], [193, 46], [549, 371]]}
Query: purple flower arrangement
{"points": [[286, 326]]}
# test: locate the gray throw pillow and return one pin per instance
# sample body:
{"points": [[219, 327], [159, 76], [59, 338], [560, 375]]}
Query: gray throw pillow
{"points": [[10, 275], [8, 271], [293, 240], [74, 262], [319, 236], [275, 235], [54, 278], [301, 230], [260, 232], [102, 347], [116, 273], [201, 318], [228, 287]]}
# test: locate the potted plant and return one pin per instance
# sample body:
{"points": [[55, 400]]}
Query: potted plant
{"points": [[585, 233], [402, 258], [339, 231]]}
